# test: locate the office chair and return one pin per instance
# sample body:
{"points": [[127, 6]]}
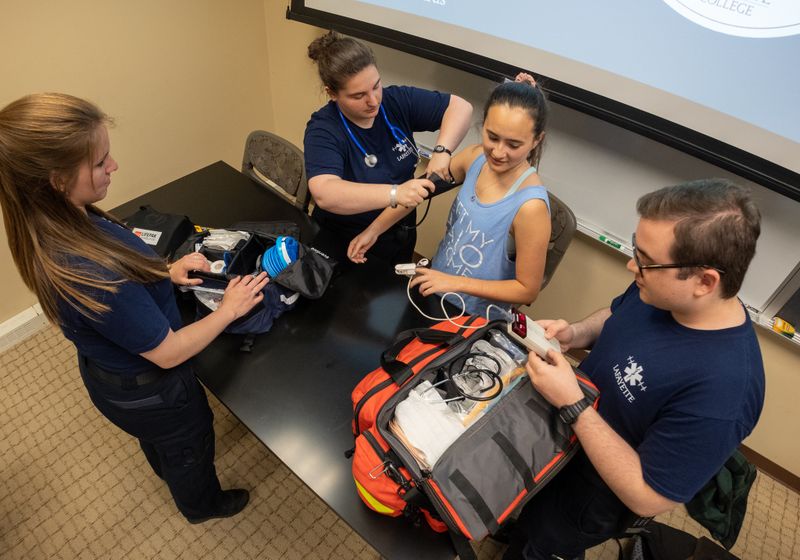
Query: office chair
{"points": [[562, 228], [268, 156]]}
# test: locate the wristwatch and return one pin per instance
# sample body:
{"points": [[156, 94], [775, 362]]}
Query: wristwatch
{"points": [[438, 149], [570, 412]]}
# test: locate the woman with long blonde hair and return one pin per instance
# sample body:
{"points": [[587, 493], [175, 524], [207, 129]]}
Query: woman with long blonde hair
{"points": [[111, 295]]}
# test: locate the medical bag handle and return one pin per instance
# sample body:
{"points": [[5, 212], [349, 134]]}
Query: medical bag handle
{"points": [[400, 371]]}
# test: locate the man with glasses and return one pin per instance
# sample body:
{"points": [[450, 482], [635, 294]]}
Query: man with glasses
{"points": [[678, 367]]}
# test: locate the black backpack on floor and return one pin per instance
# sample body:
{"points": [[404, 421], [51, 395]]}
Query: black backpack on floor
{"points": [[662, 542]]}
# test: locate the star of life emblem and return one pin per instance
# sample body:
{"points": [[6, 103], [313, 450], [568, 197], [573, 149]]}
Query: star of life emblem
{"points": [[632, 376], [633, 373]]}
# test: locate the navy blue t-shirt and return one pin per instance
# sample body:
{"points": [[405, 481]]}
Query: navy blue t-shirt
{"points": [[139, 319], [329, 150], [683, 398]]}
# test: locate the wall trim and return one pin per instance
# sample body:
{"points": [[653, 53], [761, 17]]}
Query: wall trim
{"points": [[21, 326], [782, 475]]}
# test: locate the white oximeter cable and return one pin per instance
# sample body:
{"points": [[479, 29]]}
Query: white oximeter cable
{"points": [[446, 317]]}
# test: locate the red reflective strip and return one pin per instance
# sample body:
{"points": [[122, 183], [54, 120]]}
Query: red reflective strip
{"points": [[511, 507], [587, 382], [548, 466]]}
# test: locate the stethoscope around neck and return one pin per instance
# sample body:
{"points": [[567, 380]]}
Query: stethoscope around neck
{"points": [[371, 160]]}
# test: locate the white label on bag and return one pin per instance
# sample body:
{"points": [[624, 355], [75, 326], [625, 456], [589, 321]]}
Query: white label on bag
{"points": [[148, 235]]}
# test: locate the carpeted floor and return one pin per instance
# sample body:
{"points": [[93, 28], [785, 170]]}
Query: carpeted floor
{"points": [[73, 486]]}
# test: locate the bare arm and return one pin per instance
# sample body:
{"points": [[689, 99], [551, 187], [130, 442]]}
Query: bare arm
{"points": [[241, 295], [618, 465], [455, 124], [576, 335], [389, 217], [616, 462], [364, 241], [336, 195], [585, 332]]}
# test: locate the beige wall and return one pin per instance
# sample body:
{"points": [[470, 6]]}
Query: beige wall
{"points": [[296, 91], [185, 80]]}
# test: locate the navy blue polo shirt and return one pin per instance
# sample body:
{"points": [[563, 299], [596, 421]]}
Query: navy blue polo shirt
{"points": [[329, 150], [139, 319]]}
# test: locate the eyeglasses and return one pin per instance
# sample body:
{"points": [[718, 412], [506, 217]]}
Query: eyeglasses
{"points": [[643, 267]]}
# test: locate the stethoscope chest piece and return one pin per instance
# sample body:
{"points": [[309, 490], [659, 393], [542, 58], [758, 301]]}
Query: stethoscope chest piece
{"points": [[371, 160]]}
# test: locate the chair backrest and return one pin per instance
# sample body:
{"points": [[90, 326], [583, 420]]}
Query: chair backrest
{"points": [[268, 155], [562, 228]]}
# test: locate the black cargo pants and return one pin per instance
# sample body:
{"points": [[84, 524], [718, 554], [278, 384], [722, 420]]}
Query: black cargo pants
{"points": [[174, 425]]}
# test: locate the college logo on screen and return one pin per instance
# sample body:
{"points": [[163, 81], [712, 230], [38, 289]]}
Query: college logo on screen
{"points": [[743, 18]]}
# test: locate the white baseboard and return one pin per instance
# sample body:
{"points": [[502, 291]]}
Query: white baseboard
{"points": [[21, 327]]}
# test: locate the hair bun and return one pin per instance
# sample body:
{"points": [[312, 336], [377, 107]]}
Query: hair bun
{"points": [[320, 45]]}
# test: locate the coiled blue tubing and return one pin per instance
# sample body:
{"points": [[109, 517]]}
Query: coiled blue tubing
{"points": [[279, 256]]}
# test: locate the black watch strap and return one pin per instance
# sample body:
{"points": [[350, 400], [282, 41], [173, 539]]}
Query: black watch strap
{"points": [[438, 149], [569, 413]]}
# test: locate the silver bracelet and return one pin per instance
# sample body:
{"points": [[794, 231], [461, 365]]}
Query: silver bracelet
{"points": [[393, 197]]}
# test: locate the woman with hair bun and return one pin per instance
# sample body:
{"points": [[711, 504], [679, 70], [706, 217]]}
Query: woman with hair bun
{"points": [[360, 152], [495, 245]]}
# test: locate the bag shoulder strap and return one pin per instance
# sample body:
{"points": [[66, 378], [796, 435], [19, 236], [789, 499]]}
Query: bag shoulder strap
{"points": [[462, 547]]}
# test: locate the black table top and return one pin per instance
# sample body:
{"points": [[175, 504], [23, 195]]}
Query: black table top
{"points": [[293, 390]]}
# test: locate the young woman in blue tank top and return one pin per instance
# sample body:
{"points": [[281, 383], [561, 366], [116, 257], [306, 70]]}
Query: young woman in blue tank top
{"points": [[502, 200]]}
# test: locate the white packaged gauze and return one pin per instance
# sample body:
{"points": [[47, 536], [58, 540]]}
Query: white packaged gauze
{"points": [[427, 422], [223, 239]]}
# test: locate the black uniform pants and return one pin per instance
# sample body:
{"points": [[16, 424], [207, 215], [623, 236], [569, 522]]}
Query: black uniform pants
{"points": [[395, 246], [174, 425], [574, 512]]}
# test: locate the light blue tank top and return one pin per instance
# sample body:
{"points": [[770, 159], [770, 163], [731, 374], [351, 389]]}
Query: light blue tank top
{"points": [[474, 244]]}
